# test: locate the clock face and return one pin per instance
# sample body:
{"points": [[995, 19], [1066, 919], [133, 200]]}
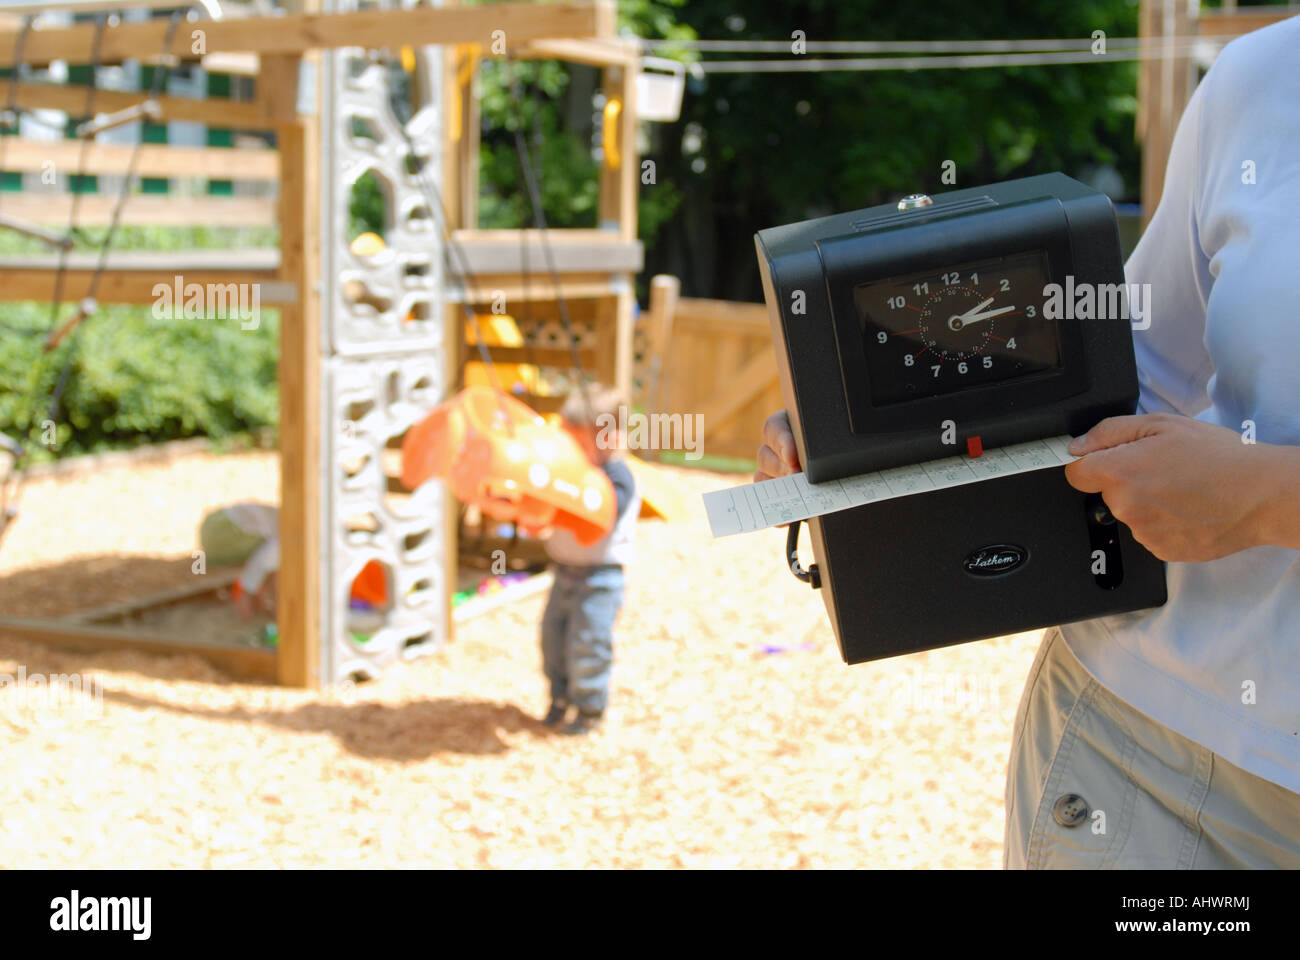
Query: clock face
{"points": [[969, 324]]}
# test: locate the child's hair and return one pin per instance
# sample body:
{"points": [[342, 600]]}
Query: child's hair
{"points": [[590, 405]]}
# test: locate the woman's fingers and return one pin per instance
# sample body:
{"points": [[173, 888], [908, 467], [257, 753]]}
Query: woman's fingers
{"points": [[778, 439], [770, 465]]}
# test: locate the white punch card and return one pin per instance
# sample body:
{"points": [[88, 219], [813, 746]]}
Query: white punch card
{"points": [[786, 499]]}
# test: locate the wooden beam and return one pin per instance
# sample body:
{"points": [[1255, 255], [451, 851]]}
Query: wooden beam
{"points": [[134, 286], [299, 591], [587, 251], [142, 210], [154, 160], [249, 663], [539, 287], [203, 585], [71, 99], [298, 33], [595, 53], [1234, 23]]}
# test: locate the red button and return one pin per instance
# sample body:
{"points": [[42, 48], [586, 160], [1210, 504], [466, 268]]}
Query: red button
{"points": [[974, 447]]}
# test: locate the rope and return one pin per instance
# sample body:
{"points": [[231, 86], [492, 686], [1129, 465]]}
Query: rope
{"points": [[531, 183], [8, 495]]}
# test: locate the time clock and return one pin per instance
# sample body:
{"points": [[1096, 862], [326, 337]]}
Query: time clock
{"points": [[905, 331]]}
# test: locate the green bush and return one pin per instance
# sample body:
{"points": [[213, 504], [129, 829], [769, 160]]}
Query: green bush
{"points": [[135, 379]]}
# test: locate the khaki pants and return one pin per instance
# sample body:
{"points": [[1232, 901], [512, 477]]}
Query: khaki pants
{"points": [[1094, 784]]}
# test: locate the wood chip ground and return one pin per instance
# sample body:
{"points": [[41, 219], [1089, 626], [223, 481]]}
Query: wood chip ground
{"points": [[736, 737]]}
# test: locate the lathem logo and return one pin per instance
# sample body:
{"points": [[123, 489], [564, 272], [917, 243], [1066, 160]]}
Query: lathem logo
{"points": [[991, 560]]}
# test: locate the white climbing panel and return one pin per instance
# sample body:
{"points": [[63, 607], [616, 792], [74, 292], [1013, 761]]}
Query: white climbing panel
{"points": [[383, 360]]}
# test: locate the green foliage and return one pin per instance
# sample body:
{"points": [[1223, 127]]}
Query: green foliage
{"points": [[134, 378]]}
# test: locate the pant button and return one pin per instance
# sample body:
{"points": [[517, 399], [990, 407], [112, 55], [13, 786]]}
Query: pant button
{"points": [[1070, 810]]}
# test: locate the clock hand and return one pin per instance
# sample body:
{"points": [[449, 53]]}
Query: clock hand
{"points": [[966, 319], [975, 309]]}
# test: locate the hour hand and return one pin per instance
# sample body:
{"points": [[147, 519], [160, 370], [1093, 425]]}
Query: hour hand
{"points": [[966, 319]]}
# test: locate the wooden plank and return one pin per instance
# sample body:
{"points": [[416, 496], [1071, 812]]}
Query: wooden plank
{"points": [[71, 99], [593, 52], [500, 251], [297, 33], [142, 209], [134, 286], [204, 584], [244, 662], [299, 593], [757, 374], [1234, 23], [153, 160], [665, 291], [574, 286]]}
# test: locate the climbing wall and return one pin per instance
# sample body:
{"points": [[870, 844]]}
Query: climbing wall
{"points": [[384, 363]]}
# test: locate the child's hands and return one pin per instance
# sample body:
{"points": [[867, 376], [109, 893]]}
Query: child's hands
{"points": [[778, 456]]}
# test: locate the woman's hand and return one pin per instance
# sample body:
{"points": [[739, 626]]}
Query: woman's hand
{"points": [[1190, 491], [778, 456]]}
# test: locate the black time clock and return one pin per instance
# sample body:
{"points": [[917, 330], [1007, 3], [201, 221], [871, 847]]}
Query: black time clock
{"points": [[904, 331]]}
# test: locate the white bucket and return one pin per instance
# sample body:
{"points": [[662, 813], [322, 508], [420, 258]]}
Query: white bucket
{"points": [[659, 89]]}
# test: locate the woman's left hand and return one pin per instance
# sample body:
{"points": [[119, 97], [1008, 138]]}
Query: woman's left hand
{"points": [[1190, 491]]}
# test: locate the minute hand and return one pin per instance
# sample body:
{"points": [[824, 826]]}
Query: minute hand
{"points": [[966, 319]]}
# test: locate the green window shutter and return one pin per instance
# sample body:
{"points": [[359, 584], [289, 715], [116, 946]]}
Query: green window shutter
{"points": [[219, 88], [154, 133], [82, 74]]}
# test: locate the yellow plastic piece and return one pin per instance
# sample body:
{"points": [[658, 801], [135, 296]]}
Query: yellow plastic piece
{"points": [[660, 495], [368, 245], [613, 148]]}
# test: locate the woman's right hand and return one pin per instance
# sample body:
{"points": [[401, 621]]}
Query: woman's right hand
{"points": [[778, 456]]}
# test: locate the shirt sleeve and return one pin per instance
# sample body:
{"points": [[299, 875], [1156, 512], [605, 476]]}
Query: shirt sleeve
{"points": [[1174, 365], [264, 561], [624, 483]]}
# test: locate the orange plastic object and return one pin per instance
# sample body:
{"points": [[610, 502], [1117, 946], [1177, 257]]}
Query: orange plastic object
{"points": [[498, 454], [371, 585]]}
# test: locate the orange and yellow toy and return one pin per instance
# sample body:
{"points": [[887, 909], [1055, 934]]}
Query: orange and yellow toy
{"points": [[498, 454]]}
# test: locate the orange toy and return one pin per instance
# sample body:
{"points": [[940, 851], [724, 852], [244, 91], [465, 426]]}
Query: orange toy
{"points": [[498, 454], [371, 585]]}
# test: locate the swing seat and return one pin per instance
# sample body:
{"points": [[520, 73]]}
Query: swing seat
{"points": [[496, 453]]}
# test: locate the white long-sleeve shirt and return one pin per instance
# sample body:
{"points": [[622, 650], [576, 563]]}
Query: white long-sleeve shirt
{"points": [[1220, 663]]}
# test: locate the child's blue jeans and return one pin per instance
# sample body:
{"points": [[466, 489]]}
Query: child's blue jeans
{"points": [[578, 633]]}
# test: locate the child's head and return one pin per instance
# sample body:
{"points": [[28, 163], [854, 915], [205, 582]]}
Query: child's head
{"points": [[591, 416]]}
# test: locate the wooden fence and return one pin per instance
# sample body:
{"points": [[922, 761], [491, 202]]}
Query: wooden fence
{"points": [[715, 359]]}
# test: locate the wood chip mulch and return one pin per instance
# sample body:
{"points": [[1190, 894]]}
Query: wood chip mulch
{"points": [[736, 736]]}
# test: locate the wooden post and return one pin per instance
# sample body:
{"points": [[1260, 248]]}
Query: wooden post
{"points": [[1165, 84], [299, 594], [664, 292]]}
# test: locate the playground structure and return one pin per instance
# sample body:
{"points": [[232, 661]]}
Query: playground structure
{"points": [[355, 372], [359, 368]]}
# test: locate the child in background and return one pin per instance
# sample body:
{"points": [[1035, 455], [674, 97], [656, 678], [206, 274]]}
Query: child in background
{"points": [[578, 625], [247, 533]]}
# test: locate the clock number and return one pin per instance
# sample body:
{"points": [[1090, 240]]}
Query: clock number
{"points": [[921, 288], [882, 337], [961, 367], [988, 363], [950, 278], [896, 303], [1030, 311], [974, 279], [1011, 344], [1005, 285], [935, 368], [907, 360]]}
